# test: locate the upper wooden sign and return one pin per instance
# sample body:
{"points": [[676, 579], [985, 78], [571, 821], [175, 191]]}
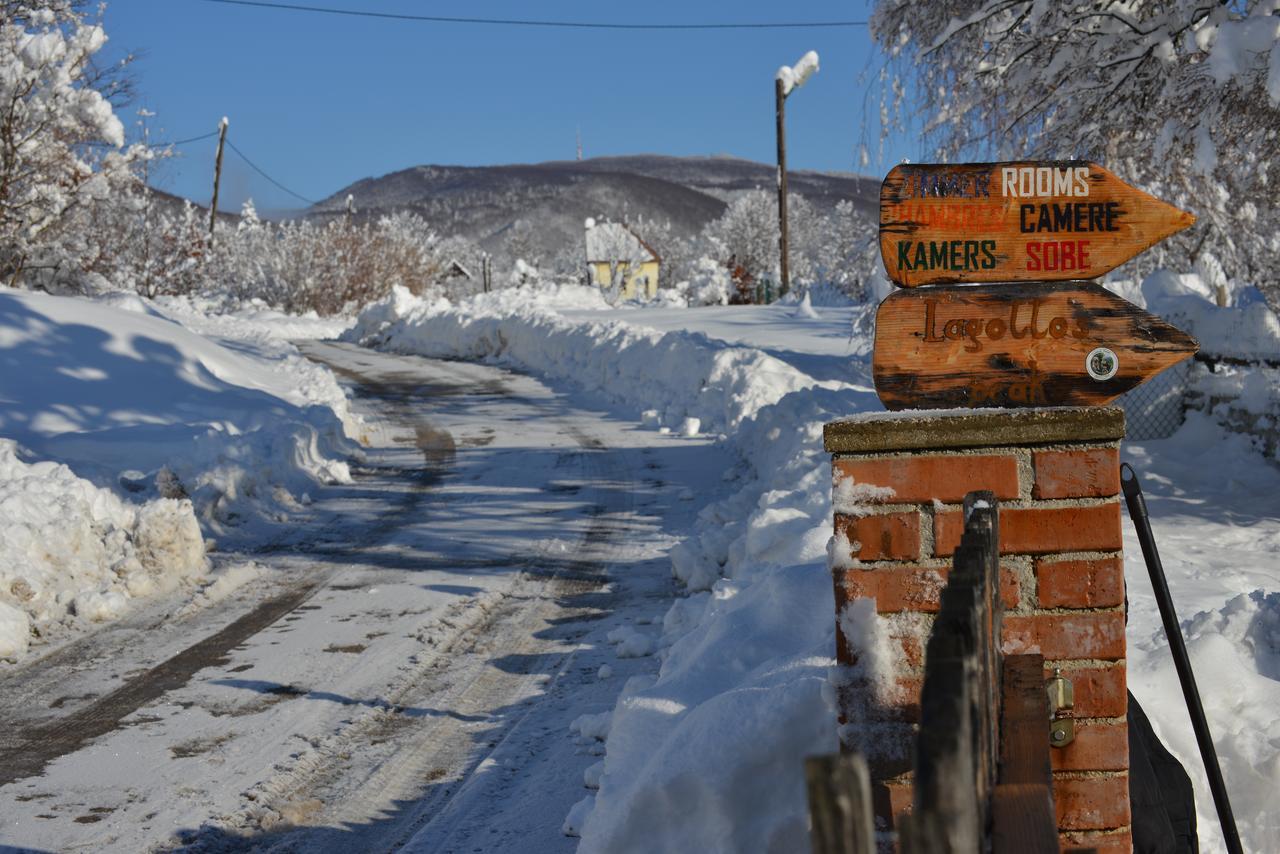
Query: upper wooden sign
{"points": [[1045, 344], [1014, 222]]}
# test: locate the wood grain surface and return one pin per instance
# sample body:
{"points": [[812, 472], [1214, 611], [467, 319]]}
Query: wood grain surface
{"points": [[1014, 222], [1015, 345]]}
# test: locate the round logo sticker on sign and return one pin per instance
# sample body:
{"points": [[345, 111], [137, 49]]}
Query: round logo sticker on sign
{"points": [[1101, 363]]}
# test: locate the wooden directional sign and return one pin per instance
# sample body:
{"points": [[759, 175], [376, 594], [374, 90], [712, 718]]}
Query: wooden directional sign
{"points": [[1041, 344], [1014, 222]]}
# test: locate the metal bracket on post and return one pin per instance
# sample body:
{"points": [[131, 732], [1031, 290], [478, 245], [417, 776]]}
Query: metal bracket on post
{"points": [[1062, 728]]}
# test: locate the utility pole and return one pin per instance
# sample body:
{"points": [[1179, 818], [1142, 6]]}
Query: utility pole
{"points": [[217, 177], [785, 81], [783, 263]]}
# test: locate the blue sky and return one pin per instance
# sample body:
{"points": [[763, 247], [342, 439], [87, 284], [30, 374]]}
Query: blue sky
{"points": [[318, 101]]}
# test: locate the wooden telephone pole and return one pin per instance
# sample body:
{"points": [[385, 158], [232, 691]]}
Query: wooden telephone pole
{"points": [[787, 80], [217, 177], [784, 268]]}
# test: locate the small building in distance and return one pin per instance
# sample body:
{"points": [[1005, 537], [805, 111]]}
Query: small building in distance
{"points": [[612, 247]]}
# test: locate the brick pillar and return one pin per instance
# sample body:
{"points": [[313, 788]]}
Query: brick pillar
{"points": [[898, 480]]}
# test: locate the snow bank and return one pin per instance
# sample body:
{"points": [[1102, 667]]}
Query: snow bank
{"points": [[70, 550], [126, 437], [681, 375], [138, 404], [1246, 329], [263, 335]]}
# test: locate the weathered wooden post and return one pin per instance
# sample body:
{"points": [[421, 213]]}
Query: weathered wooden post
{"points": [[840, 804]]}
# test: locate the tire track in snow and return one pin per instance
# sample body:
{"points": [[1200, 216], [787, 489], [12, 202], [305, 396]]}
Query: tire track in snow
{"points": [[433, 763]]}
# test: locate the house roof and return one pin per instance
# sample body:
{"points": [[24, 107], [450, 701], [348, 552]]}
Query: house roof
{"points": [[616, 241], [456, 268]]}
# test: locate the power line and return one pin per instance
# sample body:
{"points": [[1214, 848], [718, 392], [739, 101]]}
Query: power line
{"points": [[257, 169], [518, 22], [184, 141], [100, 144]]}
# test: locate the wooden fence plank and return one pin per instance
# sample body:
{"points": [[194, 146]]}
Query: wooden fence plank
{"points": [[1022, 819], [1024, 722], [840, 804]]}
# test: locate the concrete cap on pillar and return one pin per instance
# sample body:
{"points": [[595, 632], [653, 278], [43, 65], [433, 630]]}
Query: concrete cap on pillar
{"points": [[919, 429]]}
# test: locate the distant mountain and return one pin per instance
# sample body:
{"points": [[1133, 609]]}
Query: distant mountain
{"points": [[483, 203]]}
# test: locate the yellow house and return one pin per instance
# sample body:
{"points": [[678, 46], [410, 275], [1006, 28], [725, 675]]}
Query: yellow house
{"points": [[613, 249]]}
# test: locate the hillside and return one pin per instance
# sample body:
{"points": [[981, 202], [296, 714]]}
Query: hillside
{"points": [[482, 202]]}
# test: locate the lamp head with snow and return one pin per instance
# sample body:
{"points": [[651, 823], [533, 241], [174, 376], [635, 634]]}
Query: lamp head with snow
{"points": [[794, 76]]}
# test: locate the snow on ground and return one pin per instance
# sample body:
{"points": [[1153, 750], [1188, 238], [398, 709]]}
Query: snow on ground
{"points": [[69, 549], [163, 433], [705, 754]]}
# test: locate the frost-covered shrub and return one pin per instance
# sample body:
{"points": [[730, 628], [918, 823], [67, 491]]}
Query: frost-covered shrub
{"points": [[710, 284], [297, 266], [62, 157]]}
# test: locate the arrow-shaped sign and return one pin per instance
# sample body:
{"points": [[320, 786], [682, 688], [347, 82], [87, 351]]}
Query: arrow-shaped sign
{"points": [[1014, 222], [1042, 344]]}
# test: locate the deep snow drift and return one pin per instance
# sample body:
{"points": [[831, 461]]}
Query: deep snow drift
{"points": [[705, 754], [125, 434]]}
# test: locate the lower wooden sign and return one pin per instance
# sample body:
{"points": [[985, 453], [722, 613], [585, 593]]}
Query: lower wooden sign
{"points": [[1008, 345]]}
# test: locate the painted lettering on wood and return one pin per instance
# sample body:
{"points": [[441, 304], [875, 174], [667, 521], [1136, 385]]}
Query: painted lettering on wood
{"points": [[1013, 222], [1018, 344]]}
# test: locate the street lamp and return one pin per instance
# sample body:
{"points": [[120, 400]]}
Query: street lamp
{"points": [[787, 79]]}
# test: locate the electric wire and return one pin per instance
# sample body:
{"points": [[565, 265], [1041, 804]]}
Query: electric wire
{"points": [[97, 143], [259, 170], [523, 22], [211, 133]]}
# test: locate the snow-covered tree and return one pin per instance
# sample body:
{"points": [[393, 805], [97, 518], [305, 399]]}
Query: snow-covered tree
{"points": [[746, 235], [709, 285], [62, 154], [1179, 96]]}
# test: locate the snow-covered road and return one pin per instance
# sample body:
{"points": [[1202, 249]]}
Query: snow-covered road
{"points": [[402, 669]]}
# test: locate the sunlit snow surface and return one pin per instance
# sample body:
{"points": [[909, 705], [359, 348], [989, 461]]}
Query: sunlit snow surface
{"points": [[702, 715], [705, 756], [128, 439]]}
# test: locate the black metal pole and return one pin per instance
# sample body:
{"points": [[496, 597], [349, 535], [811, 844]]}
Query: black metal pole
{"points": [[1138, 513]]}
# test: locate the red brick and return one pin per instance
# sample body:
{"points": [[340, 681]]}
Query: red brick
{"points": [[1094, 473], [1097, 747], [1040, 530], [895, 799], [1100, 692], [1091, 803], [1085, 634], [946, 478], [896, 588], [1102, 843], [1080, 583], [910, 587], [912, 649], [906, 697], [1010, 588], [889, 536]]}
